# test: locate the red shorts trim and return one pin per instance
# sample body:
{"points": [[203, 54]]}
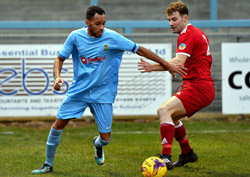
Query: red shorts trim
{"points": [[194, 97]]}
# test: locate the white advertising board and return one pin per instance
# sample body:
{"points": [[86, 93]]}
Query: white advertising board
{"points": [[235, 78], [26, 82], [142, 93]]}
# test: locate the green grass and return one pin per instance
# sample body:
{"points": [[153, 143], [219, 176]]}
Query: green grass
{"points": [[223, 149]]}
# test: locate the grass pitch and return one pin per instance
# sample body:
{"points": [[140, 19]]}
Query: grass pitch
{"points": [[223, 149]]}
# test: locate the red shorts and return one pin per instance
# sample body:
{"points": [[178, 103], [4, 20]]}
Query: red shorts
{"points": [[194, 97]]}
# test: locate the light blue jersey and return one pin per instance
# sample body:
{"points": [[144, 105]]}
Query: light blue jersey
{"points": [[96, 63]]}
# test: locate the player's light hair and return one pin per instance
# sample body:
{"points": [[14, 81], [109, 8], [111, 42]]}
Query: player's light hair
{"points": [[177, 6], [92, 10]]}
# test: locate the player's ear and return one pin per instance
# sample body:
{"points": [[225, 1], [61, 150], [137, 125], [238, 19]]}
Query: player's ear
{"points": [[87, 22], [185, 17]]}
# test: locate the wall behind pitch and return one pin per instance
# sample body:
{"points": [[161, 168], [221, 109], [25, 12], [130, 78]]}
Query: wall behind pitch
{"points": [[57, 10]]}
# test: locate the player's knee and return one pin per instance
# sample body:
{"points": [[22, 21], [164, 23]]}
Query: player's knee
{"points": [[58, 127], [164, 114], [161, 111], [105, 136], [60, 124]]}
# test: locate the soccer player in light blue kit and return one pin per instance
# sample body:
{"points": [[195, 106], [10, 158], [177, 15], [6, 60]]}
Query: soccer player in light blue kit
{"points": [[97, 54]]}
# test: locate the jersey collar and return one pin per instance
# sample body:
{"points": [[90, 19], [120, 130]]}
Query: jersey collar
{"points": [[86, 30], [185, 29]]}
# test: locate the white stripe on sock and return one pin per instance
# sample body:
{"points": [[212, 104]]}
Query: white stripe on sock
{"points": [[179, 125], [171, 123]]}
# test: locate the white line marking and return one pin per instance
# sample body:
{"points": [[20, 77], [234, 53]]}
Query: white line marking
{"points": [[7, 133], [188, 132]]}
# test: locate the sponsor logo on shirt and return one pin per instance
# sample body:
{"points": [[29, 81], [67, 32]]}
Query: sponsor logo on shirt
{"points": [[92, 60], [96, 59], [84, 60], [182, 46]]}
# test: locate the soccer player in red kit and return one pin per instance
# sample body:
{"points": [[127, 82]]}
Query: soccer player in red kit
{"points": [[197, 89]]}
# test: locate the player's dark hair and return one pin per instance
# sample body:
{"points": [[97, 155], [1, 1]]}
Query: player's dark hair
{"points": [[177, 6], [92, 10]]}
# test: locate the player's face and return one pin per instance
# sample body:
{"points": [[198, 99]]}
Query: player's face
{"points": [[177, 22], [96, 25]]}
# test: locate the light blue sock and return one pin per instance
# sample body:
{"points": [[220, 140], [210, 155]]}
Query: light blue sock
{"points": [[100, 142], [51, 145]]}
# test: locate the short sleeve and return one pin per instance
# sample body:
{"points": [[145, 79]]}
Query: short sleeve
{"points": [[184, 45], [67, 47], [125, 44]]}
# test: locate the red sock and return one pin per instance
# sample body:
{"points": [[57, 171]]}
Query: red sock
{"points": [[167, 136], [181, 136]]}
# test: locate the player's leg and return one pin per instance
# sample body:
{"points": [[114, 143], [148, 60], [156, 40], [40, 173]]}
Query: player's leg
{"points": [[187, 154], [99, 142], [202, 95], [51, 146], [54, 139], [68, 109], [172, 109], [181, 136], [103, 114]]}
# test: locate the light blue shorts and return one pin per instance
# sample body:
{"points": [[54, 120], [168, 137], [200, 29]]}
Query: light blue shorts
{"points": [[102, 112]]}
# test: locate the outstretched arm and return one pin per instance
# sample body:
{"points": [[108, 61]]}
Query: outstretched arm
{"points": [[57, 71], [145, 66], [172, 68], [179, 60]]}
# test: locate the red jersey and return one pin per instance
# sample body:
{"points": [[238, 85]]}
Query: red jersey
{"points": [[194, 43]]}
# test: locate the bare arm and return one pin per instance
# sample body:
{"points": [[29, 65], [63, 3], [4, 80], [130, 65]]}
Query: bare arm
{"points": [[179, 60], [164, 64], [147, 67], [142, 51], [58, 63]]}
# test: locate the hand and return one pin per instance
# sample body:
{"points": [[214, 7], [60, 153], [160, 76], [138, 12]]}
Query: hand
{"points": [[58, 83], [144, 66], [174, 68]]}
